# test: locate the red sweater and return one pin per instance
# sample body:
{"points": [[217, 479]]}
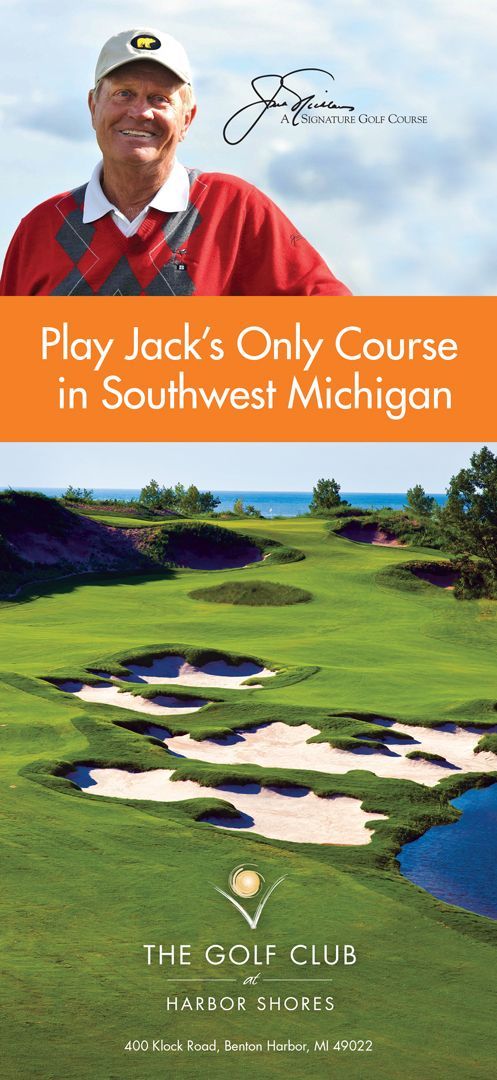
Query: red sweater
{"points": [[230, 240]]}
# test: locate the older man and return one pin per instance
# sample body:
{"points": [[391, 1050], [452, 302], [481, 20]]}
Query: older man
{"points": [[145, 225]]}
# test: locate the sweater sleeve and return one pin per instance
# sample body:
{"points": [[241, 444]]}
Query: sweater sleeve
{"points": [[10, 282], [275, 260]]}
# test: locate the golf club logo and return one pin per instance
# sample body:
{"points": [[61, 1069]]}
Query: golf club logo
{"points": [[246, 882], [145, 42]]}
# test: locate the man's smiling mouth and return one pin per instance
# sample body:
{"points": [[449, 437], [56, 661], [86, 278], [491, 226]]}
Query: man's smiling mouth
{"points": [[137, 134]]}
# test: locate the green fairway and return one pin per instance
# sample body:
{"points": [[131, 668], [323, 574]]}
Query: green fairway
{"points": [[89, 881]]}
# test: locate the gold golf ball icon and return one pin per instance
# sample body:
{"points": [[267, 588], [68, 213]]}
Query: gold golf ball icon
{"points": [[245, 882]]}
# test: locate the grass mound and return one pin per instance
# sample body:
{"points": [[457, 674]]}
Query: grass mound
{"points": [[24, 510], [41, 540], [253, 594], [424, 755], [278, 553]]}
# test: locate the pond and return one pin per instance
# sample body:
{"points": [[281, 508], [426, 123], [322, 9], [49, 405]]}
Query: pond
{"points": [[458, 862]]}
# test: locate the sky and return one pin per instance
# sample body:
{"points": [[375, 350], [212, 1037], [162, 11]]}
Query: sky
{"points": [[386, 467], [394, 208]]}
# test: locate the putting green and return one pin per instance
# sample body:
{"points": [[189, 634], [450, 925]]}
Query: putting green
{"points": [[87, 881]]}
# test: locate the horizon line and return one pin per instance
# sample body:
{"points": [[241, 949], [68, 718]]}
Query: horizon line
{"points": [[241, 491]]}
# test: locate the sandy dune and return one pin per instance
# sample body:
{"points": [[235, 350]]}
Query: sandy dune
{"points": [[297, 815], [162, 705], [171, 669], [280, 746]]}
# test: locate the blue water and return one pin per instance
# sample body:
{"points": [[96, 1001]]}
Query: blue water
{"points": [[458, 862], [270, 503]]}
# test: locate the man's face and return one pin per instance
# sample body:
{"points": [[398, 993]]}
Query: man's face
{"points": [[139, 116]]}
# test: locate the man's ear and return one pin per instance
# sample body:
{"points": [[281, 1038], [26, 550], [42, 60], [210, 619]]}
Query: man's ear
{"points": [[188, 117], [91, 106]]}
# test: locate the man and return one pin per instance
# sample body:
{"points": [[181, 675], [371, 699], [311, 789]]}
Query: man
{"points": [[144, 225]]}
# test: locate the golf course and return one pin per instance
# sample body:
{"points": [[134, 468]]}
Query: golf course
{"points": [[263, 694]]}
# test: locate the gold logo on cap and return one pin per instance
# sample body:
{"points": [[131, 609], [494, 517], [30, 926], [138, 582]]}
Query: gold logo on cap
{"points": [[145, 42]]}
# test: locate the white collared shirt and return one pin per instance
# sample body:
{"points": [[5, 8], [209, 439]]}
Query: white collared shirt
{"points": [[170, 198]]}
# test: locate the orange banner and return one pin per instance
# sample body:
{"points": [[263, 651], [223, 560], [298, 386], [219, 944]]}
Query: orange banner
{"points": [[248, 369]]}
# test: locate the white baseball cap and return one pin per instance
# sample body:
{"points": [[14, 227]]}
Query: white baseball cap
{"points": [[143, 44]]}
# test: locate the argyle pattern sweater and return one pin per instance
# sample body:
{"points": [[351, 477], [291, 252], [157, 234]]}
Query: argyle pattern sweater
{"points": [[230, 241]]}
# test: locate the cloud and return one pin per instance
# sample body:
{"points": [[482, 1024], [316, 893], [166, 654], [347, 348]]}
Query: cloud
{"points": [[375, 178], [324, 174], [67, 119]]}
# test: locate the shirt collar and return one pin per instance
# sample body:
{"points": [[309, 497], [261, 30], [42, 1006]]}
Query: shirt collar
{"points": [[170, 198]]}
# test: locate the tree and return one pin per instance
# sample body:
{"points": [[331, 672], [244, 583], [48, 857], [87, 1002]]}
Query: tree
{"points": [[196, 502], [208, 502], [150, 494], [419, 501], [191, 501], [179, 493], [81, 495], [245, 511], [326, 496], [469, 517], [156, 497]]}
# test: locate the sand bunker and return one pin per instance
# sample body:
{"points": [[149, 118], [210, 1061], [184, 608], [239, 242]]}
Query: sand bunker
{"points": [[370, 534], [161, 705], [445, 579], [285, 814], [205, 546], [191, 558], [280, 746], [175, 669]]}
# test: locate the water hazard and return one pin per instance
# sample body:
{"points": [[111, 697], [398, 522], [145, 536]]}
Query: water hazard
{"points": [[458, 862]]}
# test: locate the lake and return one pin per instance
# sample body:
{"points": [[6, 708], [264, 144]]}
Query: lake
{"points": [[458, 862]]}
